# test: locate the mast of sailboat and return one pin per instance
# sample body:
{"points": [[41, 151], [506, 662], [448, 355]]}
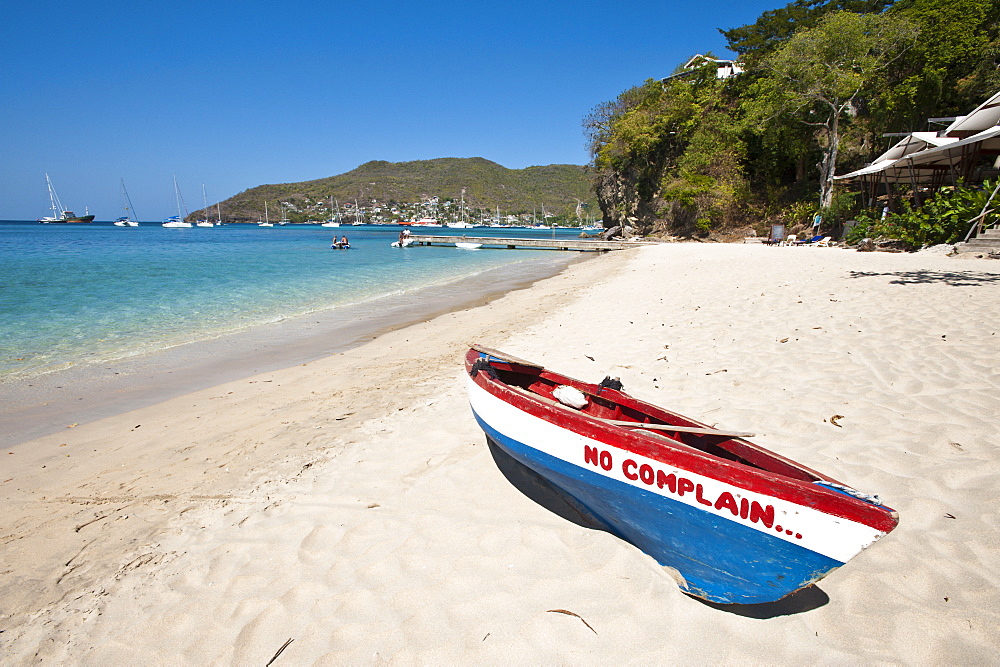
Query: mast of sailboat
{"points": [[52, 196], [127, 201], [337, 205], [204, 201], [218, 212], [57, 207], [265, 212], [545, 221], [180, 199]]}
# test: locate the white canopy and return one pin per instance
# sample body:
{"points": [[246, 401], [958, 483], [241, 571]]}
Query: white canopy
{"points": [[985, 116], [916, 157]]}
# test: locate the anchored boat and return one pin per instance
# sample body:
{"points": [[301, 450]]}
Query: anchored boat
{"points": [[59, 213], [126, 220], [738, 523], [176, 221]]}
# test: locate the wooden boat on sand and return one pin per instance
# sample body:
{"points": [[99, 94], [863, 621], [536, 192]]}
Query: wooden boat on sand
{"points": [[736, 522]]}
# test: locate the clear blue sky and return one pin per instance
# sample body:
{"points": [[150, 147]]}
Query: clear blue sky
{"points": [[237, 94]]}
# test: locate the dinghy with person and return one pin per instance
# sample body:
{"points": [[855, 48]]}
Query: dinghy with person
{"points": [[734, 522], [404, 240]]}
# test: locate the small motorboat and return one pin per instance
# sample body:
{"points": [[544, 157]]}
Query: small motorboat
{"points": [[468, 245], [733, 521]]}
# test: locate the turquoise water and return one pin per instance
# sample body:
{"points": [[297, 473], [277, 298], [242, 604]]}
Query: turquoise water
{"points": [[72, 294]]}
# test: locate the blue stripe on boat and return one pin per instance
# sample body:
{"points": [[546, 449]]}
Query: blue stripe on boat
{"points": [[708, 551]]}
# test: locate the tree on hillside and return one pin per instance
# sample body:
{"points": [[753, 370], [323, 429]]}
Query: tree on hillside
{"points": [[951, 69], [821, 74], [824, 80], [638, 139], [775, 27]]}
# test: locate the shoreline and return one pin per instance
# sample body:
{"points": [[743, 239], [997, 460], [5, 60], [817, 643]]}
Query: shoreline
{"points": [[44, 404], [351, 504]]}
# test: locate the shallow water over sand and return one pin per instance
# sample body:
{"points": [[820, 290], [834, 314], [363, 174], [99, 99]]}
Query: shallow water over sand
{"points": [[98, 321], [86, 294]]}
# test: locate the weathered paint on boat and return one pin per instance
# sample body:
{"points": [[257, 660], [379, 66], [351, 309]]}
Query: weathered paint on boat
{"points": [[739, 524]]}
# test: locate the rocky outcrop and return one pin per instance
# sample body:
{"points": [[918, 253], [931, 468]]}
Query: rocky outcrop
{"points": [[623, 204]]}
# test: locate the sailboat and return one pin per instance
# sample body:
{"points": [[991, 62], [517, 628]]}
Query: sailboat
{"points": [[59, 214], [543, 224], [498, 222], [204, 198], [359, 215], [218, 212], [265, 223], [462, 224], [126, 220], [333, 222], [175, 221]]}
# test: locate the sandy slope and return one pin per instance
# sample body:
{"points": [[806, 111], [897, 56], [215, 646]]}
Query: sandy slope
{"points": [[352, 505]]}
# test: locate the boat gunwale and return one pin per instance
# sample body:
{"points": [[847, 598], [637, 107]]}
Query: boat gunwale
{"points": [[675, 453]]}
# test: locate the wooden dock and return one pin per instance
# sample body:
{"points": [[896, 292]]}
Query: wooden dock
{"points": [[582, 245]]}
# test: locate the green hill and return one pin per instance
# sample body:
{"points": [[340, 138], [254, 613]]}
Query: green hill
{"points": [[380, 186]]}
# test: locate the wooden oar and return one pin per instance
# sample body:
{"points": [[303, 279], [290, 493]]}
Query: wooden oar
{"points": [[679, 429], [618, 422], [503, 356], [557, 404]]}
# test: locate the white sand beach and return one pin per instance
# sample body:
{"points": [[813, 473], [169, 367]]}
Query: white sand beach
{"points": [[351, 504]]}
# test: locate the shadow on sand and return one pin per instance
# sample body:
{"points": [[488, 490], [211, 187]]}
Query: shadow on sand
{"points": [[539, 490], [952, 278], [802, 600]]}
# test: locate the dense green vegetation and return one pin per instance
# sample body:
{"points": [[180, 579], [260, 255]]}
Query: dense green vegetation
{"points": [[378, 187], [824, 80], [941, 219]]}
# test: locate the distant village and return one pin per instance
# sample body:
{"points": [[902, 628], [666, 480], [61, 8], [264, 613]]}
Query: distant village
{"points": [[430, 210]]}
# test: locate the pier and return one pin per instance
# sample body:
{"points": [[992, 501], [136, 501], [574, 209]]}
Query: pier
{"points": [[511, 243]]}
